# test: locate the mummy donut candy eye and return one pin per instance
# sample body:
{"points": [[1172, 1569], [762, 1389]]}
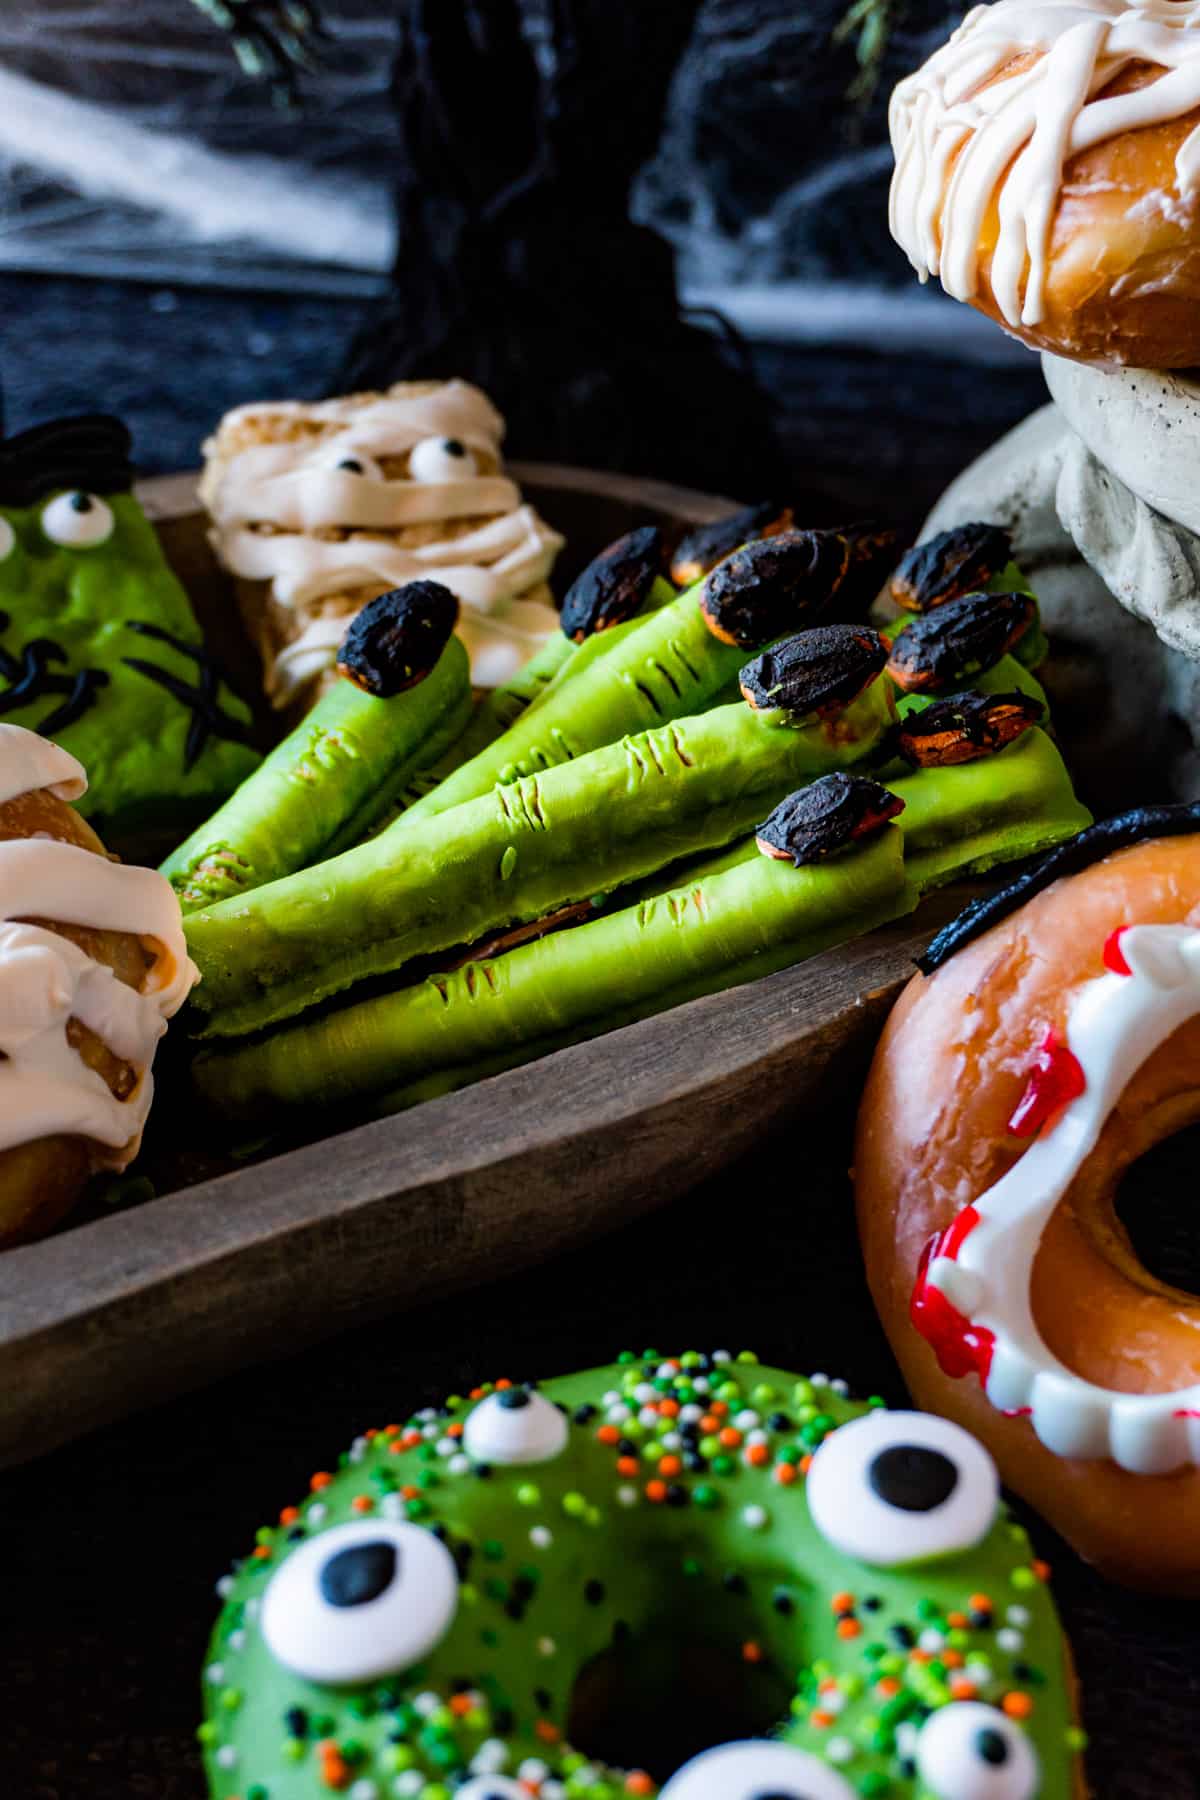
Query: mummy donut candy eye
{"points": [[362, 1600], [515, 1425], [349, 459], [77, 520], [441, 459], [8, 538], [757, 1770], [968, 1751], [900, 1487]]}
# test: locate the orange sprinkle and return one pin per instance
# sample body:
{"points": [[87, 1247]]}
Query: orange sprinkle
{"points": [[656, 1491], [757, 1455], [548, 1733], [289, 1515], [828, 1685], [709, 1422], [505, 1383], [729, 1436], [668, 1409], [822, 1720], [886, 1686], [1041, 1569], [454, 1430], [371, 1432], [980, 1603], [842, 1603], [719, 1407], [669, 1465], [391, 1431], [849, 1628], [262, 1552], [962, 1689], [785, 1474], [920, 1656], [638, 1782], [805, 1464], [1017, 1705], [752, 1652], [320, 1480], [608, 1434], [460, 1704], [411, 1439], [408, 1492], [953, 1659], [627, 1465], [363, 1503], [957, 1621]]}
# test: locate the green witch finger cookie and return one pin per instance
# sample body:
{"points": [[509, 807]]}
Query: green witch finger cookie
{"points": [[487, 1596], [99, 649]]}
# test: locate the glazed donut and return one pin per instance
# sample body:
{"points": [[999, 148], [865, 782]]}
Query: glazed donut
{"points": [[1013, 1086], [1047, 169], [92, 964], [511, 1595]]}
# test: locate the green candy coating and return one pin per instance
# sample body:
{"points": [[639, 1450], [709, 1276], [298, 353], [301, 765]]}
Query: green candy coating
{"points": [[839, 1658], [133, 739]]}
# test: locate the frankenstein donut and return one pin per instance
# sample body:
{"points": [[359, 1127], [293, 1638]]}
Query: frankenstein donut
{"points": [[1054, 1040], [518, 1594], [1047, 170]]}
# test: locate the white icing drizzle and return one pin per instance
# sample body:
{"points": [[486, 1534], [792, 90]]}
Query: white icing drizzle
{"points": [[1116, 1022], [299, 489], [956, 140], [45, 980]]}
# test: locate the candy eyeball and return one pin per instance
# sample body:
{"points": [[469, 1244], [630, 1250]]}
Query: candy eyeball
{"points": [[758, 1769], [365, 1599], [8, 538], [77, 520], [347, 459], [901, 1487], [968, 1751], [515, 1425], [442, 459]]}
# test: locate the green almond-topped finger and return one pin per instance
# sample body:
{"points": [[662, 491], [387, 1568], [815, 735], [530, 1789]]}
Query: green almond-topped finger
{"points": [[645, 672], [622, 963], [520, 852], [968, 559], [405, 689]]}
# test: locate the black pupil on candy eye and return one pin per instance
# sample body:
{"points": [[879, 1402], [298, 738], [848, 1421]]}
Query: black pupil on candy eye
{"points": [[778, 1794], [352, 463], [353, 1577], [991, 1747], [81, 503], [454, 447], [912, 1477], [513, 1399]]}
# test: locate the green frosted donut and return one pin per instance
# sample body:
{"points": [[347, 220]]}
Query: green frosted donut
{"points": [[528, 1594]]}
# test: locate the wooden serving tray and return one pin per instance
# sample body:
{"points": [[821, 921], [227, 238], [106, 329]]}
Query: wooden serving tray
{"points": [[120, 1311]]}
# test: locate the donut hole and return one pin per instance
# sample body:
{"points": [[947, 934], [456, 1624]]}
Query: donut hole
{"points": [[654, 1700], [1155, 1204]]}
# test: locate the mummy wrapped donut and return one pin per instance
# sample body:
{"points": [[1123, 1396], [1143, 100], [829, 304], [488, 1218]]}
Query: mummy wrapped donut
{"points": [[1054, 1039], [1047, 171], [534, 1593], [317, 509], [92, 965]]}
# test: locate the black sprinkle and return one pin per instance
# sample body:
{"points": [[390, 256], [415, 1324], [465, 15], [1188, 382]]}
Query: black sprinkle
{"points": [[594, 1592]]}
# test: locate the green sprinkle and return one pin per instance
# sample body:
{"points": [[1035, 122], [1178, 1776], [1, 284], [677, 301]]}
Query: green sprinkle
{"points": [[1023, 1578], [574, 1504], [706, 1496]]}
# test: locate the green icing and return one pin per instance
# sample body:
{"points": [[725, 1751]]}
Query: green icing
{"points": [[559, 1559], [133, 740]]}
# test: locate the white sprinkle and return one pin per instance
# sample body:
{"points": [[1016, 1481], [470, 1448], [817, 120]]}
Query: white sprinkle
{"points": [[1018, 1615], [691, 1413], [447, 1446], [840, 1750], [364, 1790], [215, 1673], [459, 1465], [315, 1514], [227, 1757], [931, 1640], [1008, 1639], [236, 1640], [491, 1756], [643, 1393], [754, 1518], [612, 1398], [547, 1647], [721, 1356], [833, 1701], [819, 1380], [978, 1674], [747, 1420], [702, 1384], [426, 1704], [552, 1790], [648, 1416], [533, 1770], [906, 1737], [358, 1450], [252, 1607], [671, 1440], [840, 1387], [617, 1415], [225, 1587], [411, 1782], [757, 1437], [627, 1496], [431, 1431], [667, 1370], [392, 1506], [541, 1537], [426, 1413]]}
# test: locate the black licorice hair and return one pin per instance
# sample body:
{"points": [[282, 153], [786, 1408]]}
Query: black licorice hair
{"points": [[1091, 845], [90, 451]]}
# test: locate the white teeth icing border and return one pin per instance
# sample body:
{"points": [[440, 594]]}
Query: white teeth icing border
{"points": [[1116, 1023]]}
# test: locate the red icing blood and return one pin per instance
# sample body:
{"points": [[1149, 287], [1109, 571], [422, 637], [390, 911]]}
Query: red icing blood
{"points": [[959, 1346], [1055, 1080], [1114, 956]]}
